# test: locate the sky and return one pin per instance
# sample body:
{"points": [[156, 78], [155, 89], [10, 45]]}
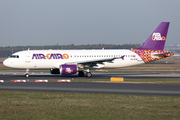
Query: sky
{"points": [[81, 22]]}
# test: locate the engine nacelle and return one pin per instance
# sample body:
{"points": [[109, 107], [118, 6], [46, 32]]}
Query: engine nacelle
{"points": [[68, 69], [65, 70]]}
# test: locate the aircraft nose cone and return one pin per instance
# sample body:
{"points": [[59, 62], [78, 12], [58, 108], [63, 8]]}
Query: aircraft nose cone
{"points": [[6, 63]]}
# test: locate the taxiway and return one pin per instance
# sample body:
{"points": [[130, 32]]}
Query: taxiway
{"points": [[92, 87]]}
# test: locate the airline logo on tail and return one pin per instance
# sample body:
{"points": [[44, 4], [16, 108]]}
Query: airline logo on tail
{"points": [[157, 36]]}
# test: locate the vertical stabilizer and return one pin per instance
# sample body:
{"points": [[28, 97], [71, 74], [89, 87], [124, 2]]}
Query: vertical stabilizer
{"points": [[157, 39]]}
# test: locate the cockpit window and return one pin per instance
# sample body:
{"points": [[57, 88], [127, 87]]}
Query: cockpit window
{"points": [[14, 56]]}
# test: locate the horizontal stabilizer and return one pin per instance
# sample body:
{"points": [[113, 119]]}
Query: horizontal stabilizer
{"points": [[161, 54]]}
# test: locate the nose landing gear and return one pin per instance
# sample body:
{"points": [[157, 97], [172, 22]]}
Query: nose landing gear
{"points": [[27, 74]]}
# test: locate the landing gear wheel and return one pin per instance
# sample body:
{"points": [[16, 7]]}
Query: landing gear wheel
{"points": [[88, 74], [26, 75], [81, 74]]}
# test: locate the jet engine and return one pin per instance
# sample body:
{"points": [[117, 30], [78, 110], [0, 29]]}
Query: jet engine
{"points": [[65, 70]]}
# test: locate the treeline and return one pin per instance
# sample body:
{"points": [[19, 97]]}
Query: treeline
{"points": [[7, 51]]}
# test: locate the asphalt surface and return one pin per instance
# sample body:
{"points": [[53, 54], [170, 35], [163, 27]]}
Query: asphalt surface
{"points": [[91, 87], [10, 75]]}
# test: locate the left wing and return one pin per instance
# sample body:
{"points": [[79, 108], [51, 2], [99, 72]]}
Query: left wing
{"points": [[94, 62]]}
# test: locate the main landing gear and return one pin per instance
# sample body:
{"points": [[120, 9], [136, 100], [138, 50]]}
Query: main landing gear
{"points": [[27, 74], [88, 74], [81, 74]]}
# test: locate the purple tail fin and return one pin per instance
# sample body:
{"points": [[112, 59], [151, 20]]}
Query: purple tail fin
{"points": [[157, 39]]}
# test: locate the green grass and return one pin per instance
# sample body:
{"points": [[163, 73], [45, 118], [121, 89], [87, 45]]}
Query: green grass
{"points": [[52, 106]]}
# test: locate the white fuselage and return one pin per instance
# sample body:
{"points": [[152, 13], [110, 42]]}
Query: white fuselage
{"points": [[49, 59]]}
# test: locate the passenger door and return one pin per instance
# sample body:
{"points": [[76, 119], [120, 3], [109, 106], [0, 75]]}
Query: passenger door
{"points": [[27, 57]]}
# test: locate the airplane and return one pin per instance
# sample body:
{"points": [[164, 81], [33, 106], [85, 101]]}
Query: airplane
{"points": [[68, 62]]}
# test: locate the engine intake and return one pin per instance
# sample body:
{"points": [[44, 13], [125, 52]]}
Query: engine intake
{"points": [[54, 71]]}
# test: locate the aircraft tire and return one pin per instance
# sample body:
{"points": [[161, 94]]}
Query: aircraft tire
{"points": [[88, 74], [81, 74], [27, 75]]}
